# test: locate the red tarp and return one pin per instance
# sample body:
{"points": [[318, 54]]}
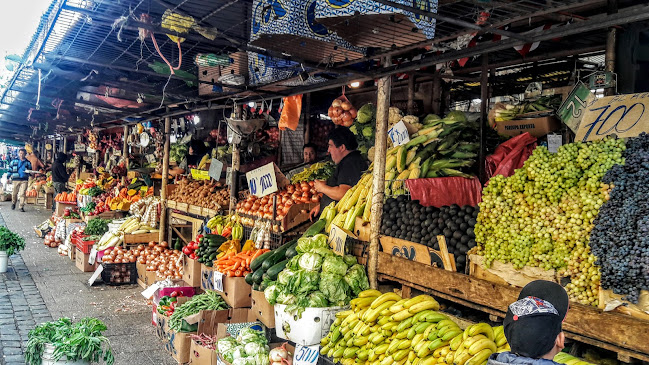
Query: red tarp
{"points": [[510, 155], [442, 191]]}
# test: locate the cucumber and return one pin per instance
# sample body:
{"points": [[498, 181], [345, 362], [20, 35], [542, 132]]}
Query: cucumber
{"points": [[248, 279], [291, 252], [255, 286], [256, 263], [315, 228], [262, 286], [276, 269], [257, 276], [272, 260]]}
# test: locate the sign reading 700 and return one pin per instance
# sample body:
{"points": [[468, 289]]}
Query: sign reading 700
{"points": [[622, 115]]}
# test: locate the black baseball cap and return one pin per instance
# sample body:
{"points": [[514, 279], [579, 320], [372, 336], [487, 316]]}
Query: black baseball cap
{"points": [[533, 322]]}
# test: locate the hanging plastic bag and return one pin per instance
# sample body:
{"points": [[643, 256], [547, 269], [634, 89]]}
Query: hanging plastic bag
{"points": [[510, 155], [290, 117]]}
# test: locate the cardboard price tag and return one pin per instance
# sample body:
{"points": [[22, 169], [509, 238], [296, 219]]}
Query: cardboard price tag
{"points": [[262, 181], [217, 278], [79, 147], [216, 168], [399, 134], [554, 142], [573, 108], [200, 174], [93, 256], [623, 115], [148, 292], [338, 239], [96, 274], [306, 355]]}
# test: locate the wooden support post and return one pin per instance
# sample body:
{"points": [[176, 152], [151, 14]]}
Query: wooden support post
{"points": [[53, 150], [236, 162], [378, 179], [65, 144], [306, 115], [437, 94], [125, 146], [165, 175], [484, 109], [609, 54], [411, 94]]}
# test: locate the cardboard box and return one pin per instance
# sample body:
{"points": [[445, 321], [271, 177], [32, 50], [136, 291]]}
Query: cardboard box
{"points": [[207, 277], [70, 221], [149, 278], [191, 272], [85, 175], [141, 238], [199, 355], [226, 322], [141, 271], [264, 312], [82, 261], [176, 343], [537, 127], [49, 199], [186, 292], [236, 292], [307, 330], [408, 250], [60, 208]]}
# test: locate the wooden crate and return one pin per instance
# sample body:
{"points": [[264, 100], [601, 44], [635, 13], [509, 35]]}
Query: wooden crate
{"points": [[141, 238], [617, 332], [362, 230], [418, 252], [171, 204], [195, 209], [183, 207], [505, 273], [608, 301]]}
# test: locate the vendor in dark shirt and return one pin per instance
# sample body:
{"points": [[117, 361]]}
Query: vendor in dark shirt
{"points": [[350, 165]]}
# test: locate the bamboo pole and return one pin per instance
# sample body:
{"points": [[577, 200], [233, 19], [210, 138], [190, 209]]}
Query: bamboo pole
{"points": [[236, 164], [165, 174], [378, 180]]}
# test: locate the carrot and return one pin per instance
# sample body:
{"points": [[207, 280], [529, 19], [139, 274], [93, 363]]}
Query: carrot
{"points": [[257, 254], [236, 265], [230, 273], [237, 273]]}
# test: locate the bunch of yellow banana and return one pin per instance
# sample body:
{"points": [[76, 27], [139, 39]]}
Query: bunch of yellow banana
{"points": [[219, 222], [475, 345], [500, 339], [566, 358], [382, 329]]}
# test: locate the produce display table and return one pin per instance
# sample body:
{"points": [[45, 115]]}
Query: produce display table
{"points": [[620, 333]]}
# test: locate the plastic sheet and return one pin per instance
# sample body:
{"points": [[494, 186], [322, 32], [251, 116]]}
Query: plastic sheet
{"points": [[290, 117], [510, 155], [442, 191]]}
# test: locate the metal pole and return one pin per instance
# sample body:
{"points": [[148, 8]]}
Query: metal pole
{"points": [[236, 162], [437, 94], [609, 55], [484, 110], [411, 93], [378, 178], [165, 175]]}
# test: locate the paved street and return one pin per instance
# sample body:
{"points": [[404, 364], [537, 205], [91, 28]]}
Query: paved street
{"points": [[41, 285]]}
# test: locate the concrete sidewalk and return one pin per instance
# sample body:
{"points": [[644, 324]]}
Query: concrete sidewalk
{"points": [[41, 285]]}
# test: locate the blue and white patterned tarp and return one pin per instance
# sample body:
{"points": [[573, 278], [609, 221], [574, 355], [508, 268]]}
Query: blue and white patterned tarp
{"points": [[335, 8]]}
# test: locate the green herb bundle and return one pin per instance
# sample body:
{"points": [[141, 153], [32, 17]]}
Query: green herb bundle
{"points": [[96, 227], [80, 341], [209, 300], [10, 241]]}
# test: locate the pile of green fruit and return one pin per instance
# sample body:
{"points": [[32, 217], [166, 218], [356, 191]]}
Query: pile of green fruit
{"points": [[208, 248]]}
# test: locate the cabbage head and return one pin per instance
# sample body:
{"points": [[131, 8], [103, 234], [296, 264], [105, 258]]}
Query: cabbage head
{"points": [[368, 132], [357, 279], [261, 358], [247, 335], [431, 118], [285, 277], [294, 262], [271, 293], [244, 361], [253, 348], [235, 353], [366, 113], [353, 129], [306, 244], [350, 260], [324, 252], [335, 265], [456, 115], [304, 282], [311, 262], [317, 300], [225, 344], [334, 287], [286, 298]]}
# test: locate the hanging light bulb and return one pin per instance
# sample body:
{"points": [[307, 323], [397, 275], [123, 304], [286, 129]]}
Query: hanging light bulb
{"points": [[355, 84]]}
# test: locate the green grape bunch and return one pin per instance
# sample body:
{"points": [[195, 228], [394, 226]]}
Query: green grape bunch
{"points": [[542, 215]]}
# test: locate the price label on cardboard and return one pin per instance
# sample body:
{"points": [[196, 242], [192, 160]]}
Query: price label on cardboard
{"points": [[216, 168], [200, 174], [93, 256], [399, 134], [96, 274], [148, 292], [554, 142], [217, 278], [306, 355], [623, 115], [572, 109], [79, 147], [337, 239], [262, 181]]}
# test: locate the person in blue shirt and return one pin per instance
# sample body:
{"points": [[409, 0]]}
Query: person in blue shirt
{"points": [[19, 178]]}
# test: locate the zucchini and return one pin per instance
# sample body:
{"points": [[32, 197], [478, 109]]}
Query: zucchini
{"points": [[315, 228], [263, 286], [256, 263], [256, 276], [255, 286], [248, 279], [291, 252], [272, 260], [276, 269]]}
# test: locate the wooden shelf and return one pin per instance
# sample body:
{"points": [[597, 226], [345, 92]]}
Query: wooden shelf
{"points": [[623, 334]]}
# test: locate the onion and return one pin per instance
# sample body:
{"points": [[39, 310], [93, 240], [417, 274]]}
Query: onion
{"points": [[338, 112], [346, 105], [278, 354], [353, 112], [336, 103]]}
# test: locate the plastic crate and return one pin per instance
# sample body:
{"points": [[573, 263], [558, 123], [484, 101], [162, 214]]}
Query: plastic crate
{"points": [[83, 246], [125, 273]]}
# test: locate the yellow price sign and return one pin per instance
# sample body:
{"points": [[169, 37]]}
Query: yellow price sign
{"points": [[200, 174], [338, 239]]}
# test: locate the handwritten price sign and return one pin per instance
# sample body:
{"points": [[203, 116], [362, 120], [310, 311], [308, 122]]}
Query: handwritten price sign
{"points": [[218, 281], [573, 108], [399, 134], [306, 355], [622, 115], [262, 181]]}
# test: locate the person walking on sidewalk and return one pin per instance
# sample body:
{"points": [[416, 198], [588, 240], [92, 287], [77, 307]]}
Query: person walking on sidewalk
{"points": [[19, 178], [60, 175]]}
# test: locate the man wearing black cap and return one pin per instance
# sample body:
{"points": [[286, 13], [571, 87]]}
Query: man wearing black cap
{"points": [[533, 325]]}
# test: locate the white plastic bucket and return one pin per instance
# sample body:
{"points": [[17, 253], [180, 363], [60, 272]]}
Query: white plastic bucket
{"points": [[4, 261], [48, 358]]}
